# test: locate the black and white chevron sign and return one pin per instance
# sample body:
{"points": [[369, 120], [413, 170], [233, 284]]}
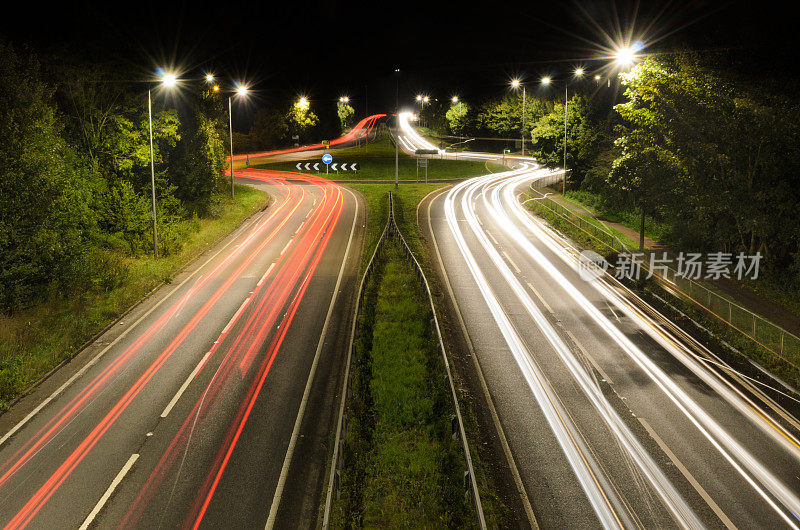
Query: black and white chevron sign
{"points": [[336, 166]]}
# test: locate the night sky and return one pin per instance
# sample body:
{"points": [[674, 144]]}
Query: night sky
{"points": [[332, 48]]}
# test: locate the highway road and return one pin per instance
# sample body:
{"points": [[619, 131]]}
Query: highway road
{"points": [[210, 403], [608, 414]]}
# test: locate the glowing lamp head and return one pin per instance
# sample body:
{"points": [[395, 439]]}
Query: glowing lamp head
{"points": [[215, 88], [169, 80], [546, 80], [597, 78], [455, 99], [579, 72], [625, 56], [209, 78], [425, 99], [241, 90], [419, 98], [515, 83]]}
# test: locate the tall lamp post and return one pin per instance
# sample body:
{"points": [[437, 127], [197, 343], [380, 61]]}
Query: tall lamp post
{"points": [[546, 81], [241, 91], [168, 80], [396, 129], [460, 118], [515, 84]]}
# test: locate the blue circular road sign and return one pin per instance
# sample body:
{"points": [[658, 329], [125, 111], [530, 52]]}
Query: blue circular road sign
{"points": [[327, 159]]}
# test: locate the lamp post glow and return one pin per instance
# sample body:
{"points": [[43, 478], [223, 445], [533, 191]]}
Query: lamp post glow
{"points": [[168, 80], [515, 84], [209, 78], [578, 74], [625, 56], [456, 100], [241, 91]]}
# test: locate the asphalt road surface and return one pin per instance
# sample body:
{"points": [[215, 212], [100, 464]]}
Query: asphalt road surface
{"points": [[210, 403], [611, 416]]}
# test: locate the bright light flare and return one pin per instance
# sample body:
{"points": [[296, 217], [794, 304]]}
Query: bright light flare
{"points": [[169, 80], [546, 80], [455, 99], [241, 90], [209, 78], [625, 56], [579, 72], [515, 83]]}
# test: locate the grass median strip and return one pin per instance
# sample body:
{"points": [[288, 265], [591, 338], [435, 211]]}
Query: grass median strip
{"points": [[401, 462], [34, 341]]}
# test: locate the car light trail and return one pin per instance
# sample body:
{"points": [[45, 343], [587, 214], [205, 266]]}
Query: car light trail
{"points": [[497, 194]]}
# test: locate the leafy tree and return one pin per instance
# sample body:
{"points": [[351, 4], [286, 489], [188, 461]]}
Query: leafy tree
{"points": [[504, 116], [457, 117], [198, 163], [583, 138], [269, 129], [45, 220], [346, 113], [301, 119]]}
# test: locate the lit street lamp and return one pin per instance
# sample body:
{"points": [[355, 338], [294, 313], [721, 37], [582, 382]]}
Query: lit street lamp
{"points": [[168, 80], [515, 84], [241, 91], [461, 118], [577, 74]]}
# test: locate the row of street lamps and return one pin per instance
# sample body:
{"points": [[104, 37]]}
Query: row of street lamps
{"points": [[169, 81]]}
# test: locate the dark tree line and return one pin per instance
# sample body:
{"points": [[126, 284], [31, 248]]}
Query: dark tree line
{"points": [[75, 172]]}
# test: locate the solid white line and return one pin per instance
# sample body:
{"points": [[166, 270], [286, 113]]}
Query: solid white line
{"points": [[185, 384], [287, 245], [703, 493], [109, 491], [276, 499]]}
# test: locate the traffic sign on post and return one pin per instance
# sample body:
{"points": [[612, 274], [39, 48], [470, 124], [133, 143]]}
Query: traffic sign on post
{"points": [[327, 159]]}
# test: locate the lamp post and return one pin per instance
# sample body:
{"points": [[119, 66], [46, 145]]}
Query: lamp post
{"points": [[578, 73], [515, 84], [396, 130], [241, 90], [460, 117], [168, 80]]}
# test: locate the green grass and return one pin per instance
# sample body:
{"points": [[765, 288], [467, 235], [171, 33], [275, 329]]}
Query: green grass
{"points": [[377, 163], [34, 341], [594, 204], [404, 467]]}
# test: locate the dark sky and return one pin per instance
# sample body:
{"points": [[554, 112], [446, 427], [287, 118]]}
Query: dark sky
{"points": [[329, 48]]}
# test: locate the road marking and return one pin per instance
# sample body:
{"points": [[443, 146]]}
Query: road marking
{"points": [[523, 494], [265, 274], [511, 261], [185, 384], [590, 357], [490, 235], [97, 357], [540, 297], [287, 461], [703, 493], [235, 315], [104, 499]]}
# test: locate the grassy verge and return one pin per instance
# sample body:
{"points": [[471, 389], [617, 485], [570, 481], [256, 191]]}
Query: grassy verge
{"points": [[680, 311], [377, 163], [401, 464], [34, 341]]}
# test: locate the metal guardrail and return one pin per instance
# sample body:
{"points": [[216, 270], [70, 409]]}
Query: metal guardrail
{"points": [[469, 475], [770, 337]]}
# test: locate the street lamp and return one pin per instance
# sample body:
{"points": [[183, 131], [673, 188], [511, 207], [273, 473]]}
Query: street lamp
{"points": [[515, 84], [461, 120], [241, 91], [209, 78], [625, 56], [396, 130], [168, 80], [577, 74]]}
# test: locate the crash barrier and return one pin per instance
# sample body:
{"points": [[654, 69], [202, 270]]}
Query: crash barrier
{"points": [[773, 339]]}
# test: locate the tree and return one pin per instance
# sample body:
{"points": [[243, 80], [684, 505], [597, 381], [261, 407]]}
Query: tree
{"points": [[504, 116], [301, 119], [583, 138], [269, 129], [457, 117], [346, 113], [46, 222]]}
